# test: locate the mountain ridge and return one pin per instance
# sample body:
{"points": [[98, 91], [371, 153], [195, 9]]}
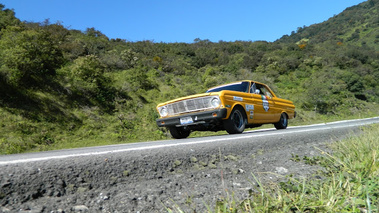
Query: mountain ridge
{"points": [[356, 24]]}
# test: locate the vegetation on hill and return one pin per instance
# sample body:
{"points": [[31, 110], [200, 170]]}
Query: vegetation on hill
{"points": [[357, 25], [65, 88]]}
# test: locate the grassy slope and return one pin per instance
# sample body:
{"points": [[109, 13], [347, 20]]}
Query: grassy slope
{"points": [[356, 25], [68, 112]]}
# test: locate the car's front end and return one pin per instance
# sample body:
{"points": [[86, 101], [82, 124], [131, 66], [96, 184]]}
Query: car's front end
{"points": [[197, 112]]}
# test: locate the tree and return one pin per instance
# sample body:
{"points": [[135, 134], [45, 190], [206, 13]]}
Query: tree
{"points": [[88, 68], [7, 18], [28, 55], [87, 83]]}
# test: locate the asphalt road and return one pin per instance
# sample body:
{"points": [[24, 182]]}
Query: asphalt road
{"points": [[102, 150], [192, 174]]}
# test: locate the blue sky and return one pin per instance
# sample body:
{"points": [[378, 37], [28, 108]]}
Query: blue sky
{"points": [[182, 20]]}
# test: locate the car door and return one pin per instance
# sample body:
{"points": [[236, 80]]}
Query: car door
{"points": [[263, 102]]}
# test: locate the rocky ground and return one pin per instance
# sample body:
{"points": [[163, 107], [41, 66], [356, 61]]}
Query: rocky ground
{"points": [[191, 177]]}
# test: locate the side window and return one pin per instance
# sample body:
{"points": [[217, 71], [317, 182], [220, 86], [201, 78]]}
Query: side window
{"points": [[262, 90], [253, 88], [266, 92]]}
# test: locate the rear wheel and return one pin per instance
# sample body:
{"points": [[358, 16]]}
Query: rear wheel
{"points": [[283, 122], [179, 132], [236, 122]]}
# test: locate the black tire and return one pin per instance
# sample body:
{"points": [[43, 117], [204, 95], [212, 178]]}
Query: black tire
{"points": [[179, 132], [236, 122], [283, 122]]}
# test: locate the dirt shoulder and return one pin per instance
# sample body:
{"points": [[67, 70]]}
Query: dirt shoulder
{"points": [[191, 177]]}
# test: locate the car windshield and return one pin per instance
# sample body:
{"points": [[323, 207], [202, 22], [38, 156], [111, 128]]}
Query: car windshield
{"points": [[239, 87]]}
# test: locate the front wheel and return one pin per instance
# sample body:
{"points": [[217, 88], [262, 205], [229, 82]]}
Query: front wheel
{"points": [[283, 122], [179, 132], [236, 122]]}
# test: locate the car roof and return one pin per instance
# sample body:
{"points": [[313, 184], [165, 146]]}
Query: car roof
{"points": [[235, 83]]}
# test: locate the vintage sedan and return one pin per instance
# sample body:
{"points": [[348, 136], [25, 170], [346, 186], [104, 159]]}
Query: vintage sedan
{"points": [[231, 107]]}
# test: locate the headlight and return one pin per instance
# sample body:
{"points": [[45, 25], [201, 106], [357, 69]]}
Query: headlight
{"points": [[215, 102], [163, 111]]}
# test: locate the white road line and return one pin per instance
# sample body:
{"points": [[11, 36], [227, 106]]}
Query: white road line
{"points": [[290, 130]]}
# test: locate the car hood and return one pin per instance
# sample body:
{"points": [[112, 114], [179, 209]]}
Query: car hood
{"points": [[189, 97]]}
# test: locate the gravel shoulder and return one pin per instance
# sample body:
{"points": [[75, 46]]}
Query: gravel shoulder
{"points": [[191, 177]]}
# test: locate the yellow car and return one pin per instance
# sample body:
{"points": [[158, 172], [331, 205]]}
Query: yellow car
{"points": [[231, 107]]}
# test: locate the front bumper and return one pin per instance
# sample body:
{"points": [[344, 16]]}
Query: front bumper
{"points": [[197, 118]]}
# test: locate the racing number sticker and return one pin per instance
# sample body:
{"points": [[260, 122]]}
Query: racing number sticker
{"points": [[266, 107]]}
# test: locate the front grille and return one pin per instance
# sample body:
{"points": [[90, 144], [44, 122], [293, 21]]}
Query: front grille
{"points": [[190, 105]]}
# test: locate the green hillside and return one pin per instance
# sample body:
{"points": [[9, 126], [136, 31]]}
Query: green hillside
{"points": [[63, 88], [357, 25]]}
